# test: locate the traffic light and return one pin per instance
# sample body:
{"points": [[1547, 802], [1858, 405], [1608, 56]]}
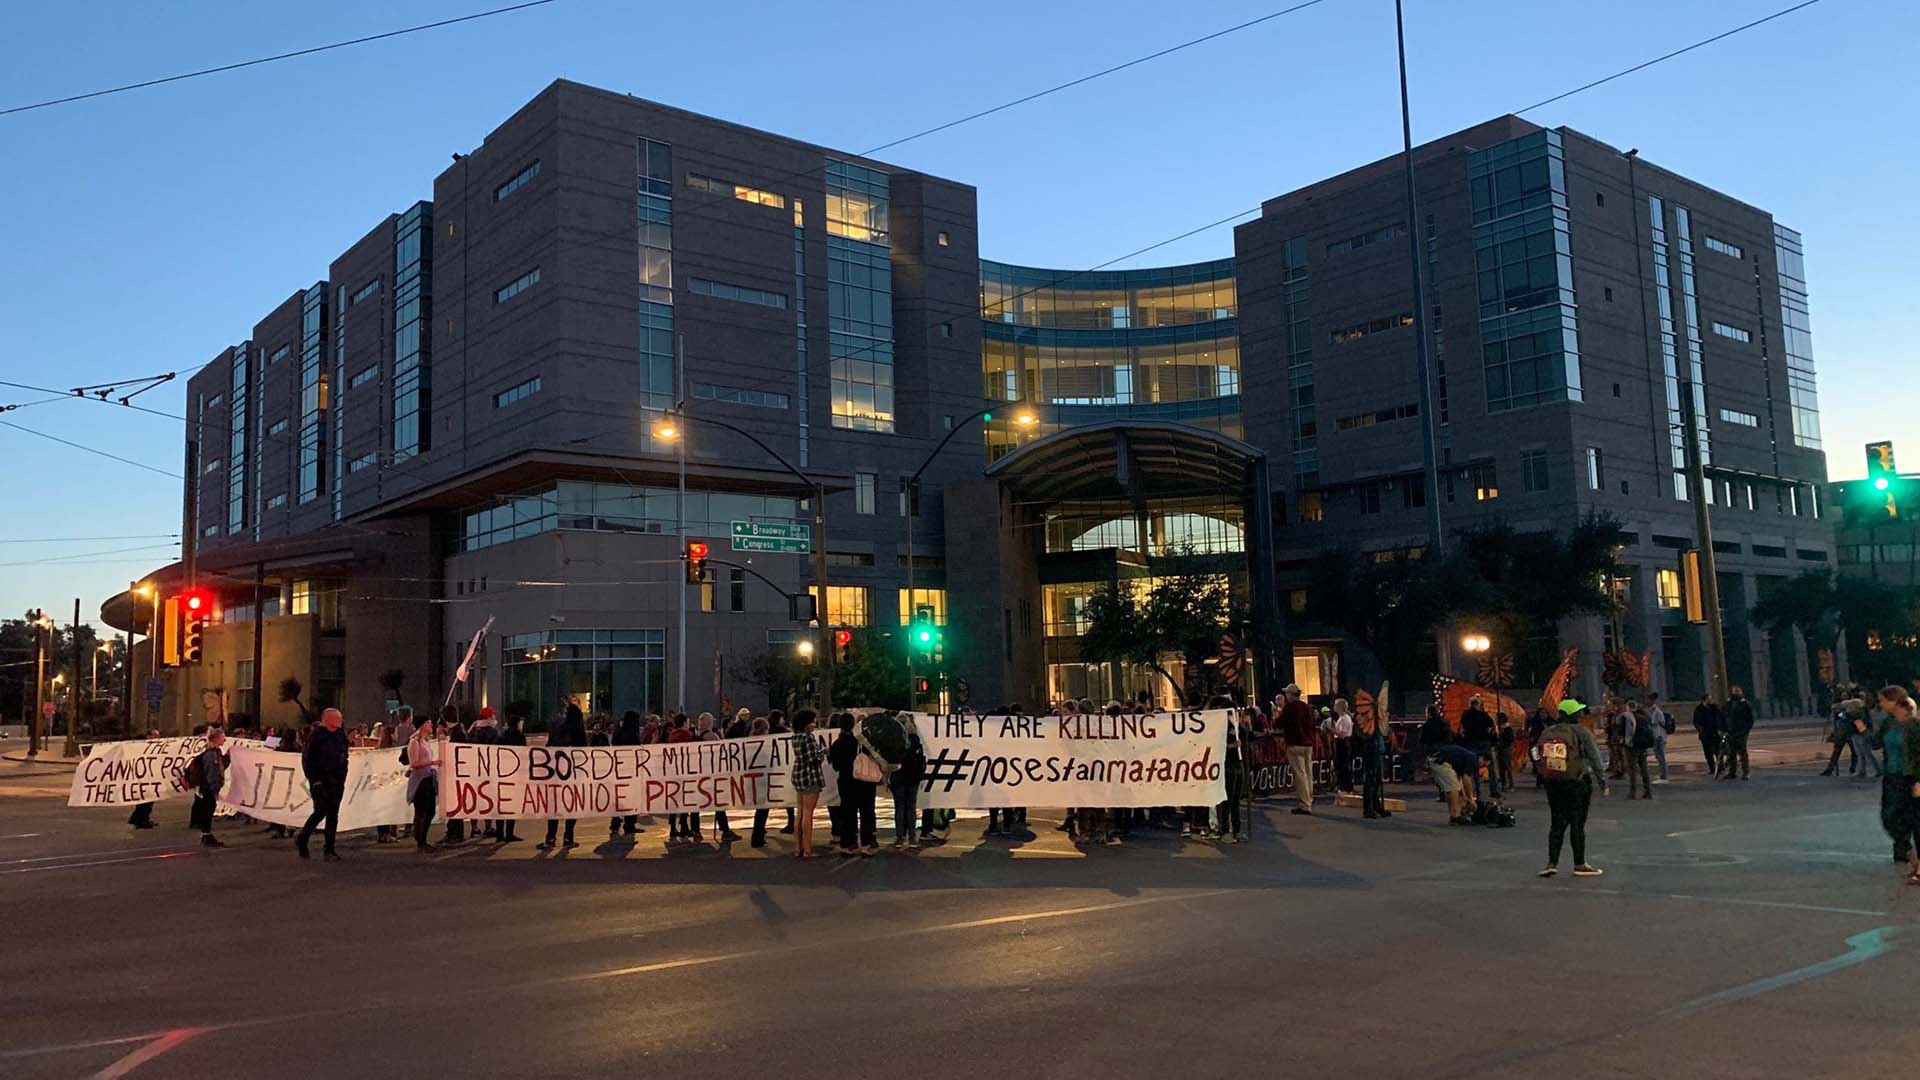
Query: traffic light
{"points": [[1881, 476], [842, 641], [696, 557], [196, 607], [922, 685], [169, 631], [925, 634]]}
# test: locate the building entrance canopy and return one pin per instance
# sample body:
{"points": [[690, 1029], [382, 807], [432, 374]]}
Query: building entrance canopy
{"points": [[1134, 460]]}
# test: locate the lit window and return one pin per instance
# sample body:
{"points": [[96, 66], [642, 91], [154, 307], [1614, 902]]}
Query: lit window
{"points": [[943, 239], [1297, 601], [738, 191], [1667, 584], [1372, 326], [1311, 507], [846, 604], [864, 485], [934, 599], [1485, 481], [517, 286], [1595, 474]]}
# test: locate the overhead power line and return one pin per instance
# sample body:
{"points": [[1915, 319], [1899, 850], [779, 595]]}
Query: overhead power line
{"points": [[269, 59], [93, 450], [83, 539]]}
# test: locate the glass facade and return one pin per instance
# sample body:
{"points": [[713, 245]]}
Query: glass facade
{"points": [[859, 297], [1528, 330], [601, 671], [615, 508], [1159, 344], [237, 439], [654, 216], [1797, 334], [339, 387], [312, 474], [1690, 312], [413, 331], [805, 414], [1669, 346]]}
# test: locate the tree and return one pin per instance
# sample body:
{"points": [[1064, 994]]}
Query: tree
{"points": [[1879, 622], [391, 680], [1182, 613], [778, 672], [290, 689]]}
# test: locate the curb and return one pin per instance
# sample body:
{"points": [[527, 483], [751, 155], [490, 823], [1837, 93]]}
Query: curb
{"points": [[21, 758]]}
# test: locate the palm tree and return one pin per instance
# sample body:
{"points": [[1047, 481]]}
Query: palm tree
{"points": [[391, 680], [290, 693]]}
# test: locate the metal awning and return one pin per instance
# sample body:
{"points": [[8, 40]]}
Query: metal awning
{"points": [[1134, 460]]}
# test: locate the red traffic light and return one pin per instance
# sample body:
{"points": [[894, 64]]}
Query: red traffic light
{"points": [[843, 638], [696, 549], [194, 601]]}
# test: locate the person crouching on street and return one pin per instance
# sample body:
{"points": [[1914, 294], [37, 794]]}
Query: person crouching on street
{"points": [[1456, 770]]}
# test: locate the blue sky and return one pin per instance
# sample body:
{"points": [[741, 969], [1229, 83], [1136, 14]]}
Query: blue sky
{"points": [[144, 231]]}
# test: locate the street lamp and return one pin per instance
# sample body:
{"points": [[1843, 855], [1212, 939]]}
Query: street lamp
{"points": [[805, 649], [104, 647], [1475, 643], [1024, 416], [671, 427]]}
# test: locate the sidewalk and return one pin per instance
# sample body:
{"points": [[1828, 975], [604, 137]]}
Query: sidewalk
{"points": [[50, 757]]}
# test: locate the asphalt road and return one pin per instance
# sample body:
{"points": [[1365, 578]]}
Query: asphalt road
{"points": [[1742, 929]]}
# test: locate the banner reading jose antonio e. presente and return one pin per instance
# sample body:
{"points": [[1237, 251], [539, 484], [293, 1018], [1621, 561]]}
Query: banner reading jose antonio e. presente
{"points": [[1150, 759]]}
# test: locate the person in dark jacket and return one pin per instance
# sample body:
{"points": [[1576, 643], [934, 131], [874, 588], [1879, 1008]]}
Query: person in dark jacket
{"points": [[1435, 733], [1374, 741], [453, 731], [905, 785], [856, 795], [1739, 726], [213, 777], [511, 735], [1477, 734], [325, 763], [570, 731], [626, 733], [1710, 724]]}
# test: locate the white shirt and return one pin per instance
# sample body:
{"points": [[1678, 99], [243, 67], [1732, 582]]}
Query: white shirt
{"points": [[1340, 725], [1659, 720]]}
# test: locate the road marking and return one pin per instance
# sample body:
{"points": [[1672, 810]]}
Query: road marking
{"points": [[85, 854], [1861, 948], [147, 1053], [97, 862], [1583, 890], [20, 835], [1696, 832]]}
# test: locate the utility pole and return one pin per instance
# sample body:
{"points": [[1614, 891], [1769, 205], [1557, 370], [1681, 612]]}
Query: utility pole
{"points": [[38, 620], [72, 749], [259, 645], [680, 523], [1703, 532], [820, 609], [1415, 232]]}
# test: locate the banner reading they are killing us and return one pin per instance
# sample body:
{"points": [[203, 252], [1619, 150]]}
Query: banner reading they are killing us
{"points": [[1148, 759]]}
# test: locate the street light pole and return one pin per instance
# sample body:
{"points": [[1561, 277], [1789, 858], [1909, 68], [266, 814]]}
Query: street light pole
{"points": [[1429, 451], [38, 619], [72, 749]]}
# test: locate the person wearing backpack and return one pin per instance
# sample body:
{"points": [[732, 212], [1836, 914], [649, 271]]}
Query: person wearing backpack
{"points": [[1735, 762], [1663, 726], [206, 775], [1568, 761], [1640, 742]]}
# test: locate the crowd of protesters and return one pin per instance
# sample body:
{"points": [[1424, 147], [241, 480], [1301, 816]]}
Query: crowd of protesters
{"points": [[1466, 754]]}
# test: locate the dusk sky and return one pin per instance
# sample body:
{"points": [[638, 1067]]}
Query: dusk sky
{"points": [[145, 231]]}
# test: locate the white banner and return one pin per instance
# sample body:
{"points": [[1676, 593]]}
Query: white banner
{"points": [[488, 780], [127, 773], [1149, 759], [270, 785]]}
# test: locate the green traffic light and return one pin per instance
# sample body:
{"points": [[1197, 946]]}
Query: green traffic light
{"points": [[1880, 483], [987, 416], [925, 635]]}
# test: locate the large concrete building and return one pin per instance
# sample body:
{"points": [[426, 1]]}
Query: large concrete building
{"points": [[453, 424]]}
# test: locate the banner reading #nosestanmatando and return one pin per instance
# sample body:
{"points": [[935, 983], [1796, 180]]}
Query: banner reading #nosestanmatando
{"points": [[494, 781], [1150, 759]]}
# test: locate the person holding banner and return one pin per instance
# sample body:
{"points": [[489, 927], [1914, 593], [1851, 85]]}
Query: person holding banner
{"points": [[571, 731], [808, 779], [905, 785], [627, 734], [207, 774], [856, 791], [142, 816], [423, 781], [511, 735], [325, 763]]}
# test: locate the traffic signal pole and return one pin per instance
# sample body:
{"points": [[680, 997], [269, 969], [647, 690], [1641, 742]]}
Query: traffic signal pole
{"points": [[1703, 529], [72, 749]]}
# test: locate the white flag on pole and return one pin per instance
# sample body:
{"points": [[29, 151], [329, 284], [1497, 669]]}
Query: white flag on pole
{"points": [[473, 646]]}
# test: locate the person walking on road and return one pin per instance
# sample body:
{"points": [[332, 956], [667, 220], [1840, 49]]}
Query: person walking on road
{"points": [[1297, 731], [1569, 761], [1662, 727], [1899, 736], [423, 781], [1860, 734], [208, 774], [1710, 724], [1640, 742], [1739, 726], [1840, 734], [325, 764]]}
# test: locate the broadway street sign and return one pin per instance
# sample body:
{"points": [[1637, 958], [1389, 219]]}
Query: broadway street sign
{"points": [[772, 536]]}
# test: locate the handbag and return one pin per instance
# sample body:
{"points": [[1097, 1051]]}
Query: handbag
{"points": [[868, 765]]}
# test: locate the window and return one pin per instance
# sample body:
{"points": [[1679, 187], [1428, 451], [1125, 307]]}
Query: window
{"points": [[721, 290], [1793, 500], [1714, 243], [1735, 416], [366, 290], [1413, 491], [736, 589], [1726, 330], [1297, 601], [946, 329], [211, 530], [863, 492], [859, 297], [277, 501], [1311, 507], [364, 376], [280, 354], [1369, 498], [1368, 239], [1381, 416], [734, 395], [516, 393], [1485, 481], [210, 467], [517, 286], [361, 462], [849, 558], [520, 179], [279, 427], [215, 401], [1749, 487], [1533, 470], [1599, 198], [737, 191], [846, 604], [1596, 474], [1666, 581], [924, 598], [1372, 326], [1609, 293], [942, 238]]}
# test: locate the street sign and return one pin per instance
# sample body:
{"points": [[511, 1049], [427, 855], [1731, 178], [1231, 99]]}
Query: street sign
{"points": [[46, 710], [156, 689], [772, 536]]}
